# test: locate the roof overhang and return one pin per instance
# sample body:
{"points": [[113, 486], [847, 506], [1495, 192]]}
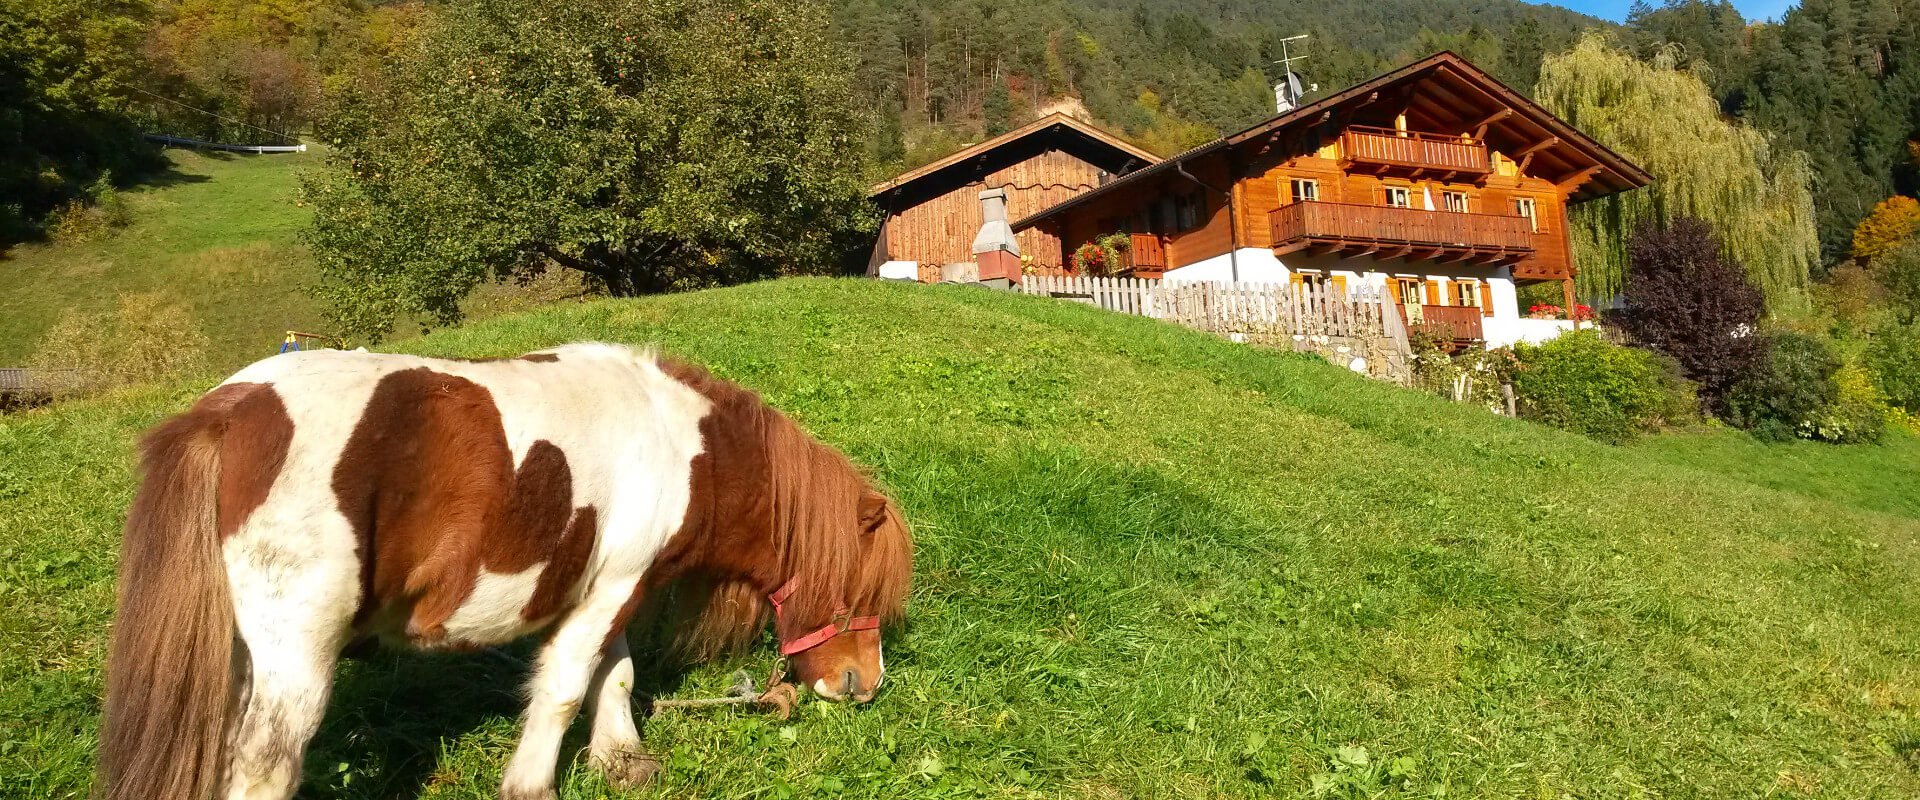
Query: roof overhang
{"points": [[1441, 93], [1095, 144]]}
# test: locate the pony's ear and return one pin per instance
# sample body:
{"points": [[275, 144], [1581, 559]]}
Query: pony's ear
{"points": [[873, 510]]}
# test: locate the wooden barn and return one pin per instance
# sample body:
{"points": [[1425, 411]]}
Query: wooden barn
{"points": [[934, 213]]}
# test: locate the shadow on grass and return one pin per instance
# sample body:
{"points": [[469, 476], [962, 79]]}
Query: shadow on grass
{"points": [[392, 712]]}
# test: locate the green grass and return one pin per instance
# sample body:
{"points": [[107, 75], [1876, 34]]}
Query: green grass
{"points": [[1151, 564], [217, 231]]}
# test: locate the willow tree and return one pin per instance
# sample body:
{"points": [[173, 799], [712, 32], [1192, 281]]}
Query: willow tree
{"points": [[1757, 196]]}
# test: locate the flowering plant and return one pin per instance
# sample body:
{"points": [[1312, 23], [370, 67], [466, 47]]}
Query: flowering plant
{"points": [[1102, 257], [1544, 311], [1583, 313]]}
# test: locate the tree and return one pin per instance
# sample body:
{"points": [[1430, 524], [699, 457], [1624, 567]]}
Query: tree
{"points": [[1892, 223], [66, 68], [998, 109], [1732, 176], [1899, 271], [654, 146], [1685, 299]]}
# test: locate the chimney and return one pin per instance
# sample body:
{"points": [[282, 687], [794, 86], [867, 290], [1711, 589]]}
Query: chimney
{"points": [[994, 248]]}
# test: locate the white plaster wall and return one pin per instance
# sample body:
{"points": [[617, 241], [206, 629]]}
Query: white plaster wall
{"points": [[900, 270], [1256, 265], [1505, 332]]}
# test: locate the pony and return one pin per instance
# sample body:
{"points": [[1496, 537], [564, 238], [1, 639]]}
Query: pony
{"points": [[322, 499]]}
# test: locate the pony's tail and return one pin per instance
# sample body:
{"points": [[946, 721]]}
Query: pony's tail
{"points": [[170, 671]]}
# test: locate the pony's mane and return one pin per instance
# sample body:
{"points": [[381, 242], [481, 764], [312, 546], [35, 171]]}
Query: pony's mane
{"points": [[818, 500]]}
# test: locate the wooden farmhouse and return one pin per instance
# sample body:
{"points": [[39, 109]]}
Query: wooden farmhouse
{"points": [[1434, 183], [935, 213]]}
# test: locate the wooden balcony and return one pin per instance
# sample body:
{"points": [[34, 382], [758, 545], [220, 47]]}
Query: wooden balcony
{"points": [[1451, 324], [1387, 150], [1386, 232], [1146, 253]]}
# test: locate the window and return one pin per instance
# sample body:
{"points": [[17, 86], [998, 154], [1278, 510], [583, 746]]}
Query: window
{"points": [[1323, 285], [1474, 294], [1454, 201], [1305, 191], [1181, 211], [1399, 197], [1466, 294], [1525, 207], [1409, 291]]}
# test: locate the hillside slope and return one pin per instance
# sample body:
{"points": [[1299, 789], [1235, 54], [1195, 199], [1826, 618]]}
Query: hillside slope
{"points": [[1151, 564], [217, 231]]}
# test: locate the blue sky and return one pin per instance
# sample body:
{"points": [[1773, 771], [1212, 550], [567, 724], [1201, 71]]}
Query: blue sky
{"points": [[1617, 9]]}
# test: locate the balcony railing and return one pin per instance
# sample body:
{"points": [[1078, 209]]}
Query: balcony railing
{"points": [[1146, 252], [1448, 323], [1357, 229], [1425, 152]]}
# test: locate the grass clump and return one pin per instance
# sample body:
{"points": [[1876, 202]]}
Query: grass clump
{"points": [[148, 338], [1151, 563]]}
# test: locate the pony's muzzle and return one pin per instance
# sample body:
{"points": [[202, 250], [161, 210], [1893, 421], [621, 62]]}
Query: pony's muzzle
{"points": [[846, 688]]}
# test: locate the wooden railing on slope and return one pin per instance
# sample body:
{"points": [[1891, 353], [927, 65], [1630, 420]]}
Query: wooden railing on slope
{"points": [[1259, 312]]}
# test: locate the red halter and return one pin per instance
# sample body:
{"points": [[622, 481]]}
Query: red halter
{"points": [[843, 621]]}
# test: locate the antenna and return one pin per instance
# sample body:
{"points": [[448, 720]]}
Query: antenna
{"points": [[1287, 93]]}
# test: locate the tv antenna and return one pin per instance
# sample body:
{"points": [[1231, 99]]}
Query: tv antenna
{"points": [[1287, 93]]}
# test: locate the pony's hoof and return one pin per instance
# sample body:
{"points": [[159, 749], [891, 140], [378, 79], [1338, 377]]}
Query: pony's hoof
{"points": [[628, 769], [511, 793]]}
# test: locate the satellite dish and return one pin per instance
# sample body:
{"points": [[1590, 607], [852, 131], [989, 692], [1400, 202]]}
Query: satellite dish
{"points": [[1287, 94]]}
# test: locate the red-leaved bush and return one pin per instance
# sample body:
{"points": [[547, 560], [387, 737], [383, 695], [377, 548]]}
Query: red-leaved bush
{"points": [[1687, 300]]}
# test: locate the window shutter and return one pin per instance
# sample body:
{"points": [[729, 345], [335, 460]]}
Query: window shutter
{"points": [[1393, 288], [1340, 285], [1295, 279], [1436, 292], [1485, 290]]}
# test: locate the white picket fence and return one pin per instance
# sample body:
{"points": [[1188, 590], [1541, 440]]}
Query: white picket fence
{"points": [[1259, 312]]}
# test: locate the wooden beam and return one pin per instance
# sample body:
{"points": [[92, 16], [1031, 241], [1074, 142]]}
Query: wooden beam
{"points": [[1458, 257], [1536, 147], [1579, 179], [1480, 128], [1403, 252]]}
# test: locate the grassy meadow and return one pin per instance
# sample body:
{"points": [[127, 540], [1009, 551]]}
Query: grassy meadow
{"points": [[217, 231], [1151, 564]]}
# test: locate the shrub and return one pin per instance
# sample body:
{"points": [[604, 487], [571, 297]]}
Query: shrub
{"points": [[1784, 399], [1893, 358], [1899, 272], [89, 217], [147, 338], [1469, 376], [1857, 415], [1686, 300], [1581, 383]]}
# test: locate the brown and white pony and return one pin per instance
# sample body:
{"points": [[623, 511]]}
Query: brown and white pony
{"points": [[321, 498]]}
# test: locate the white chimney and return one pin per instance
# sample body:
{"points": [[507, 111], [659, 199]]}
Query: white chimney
{"points": [[995, 233]]}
